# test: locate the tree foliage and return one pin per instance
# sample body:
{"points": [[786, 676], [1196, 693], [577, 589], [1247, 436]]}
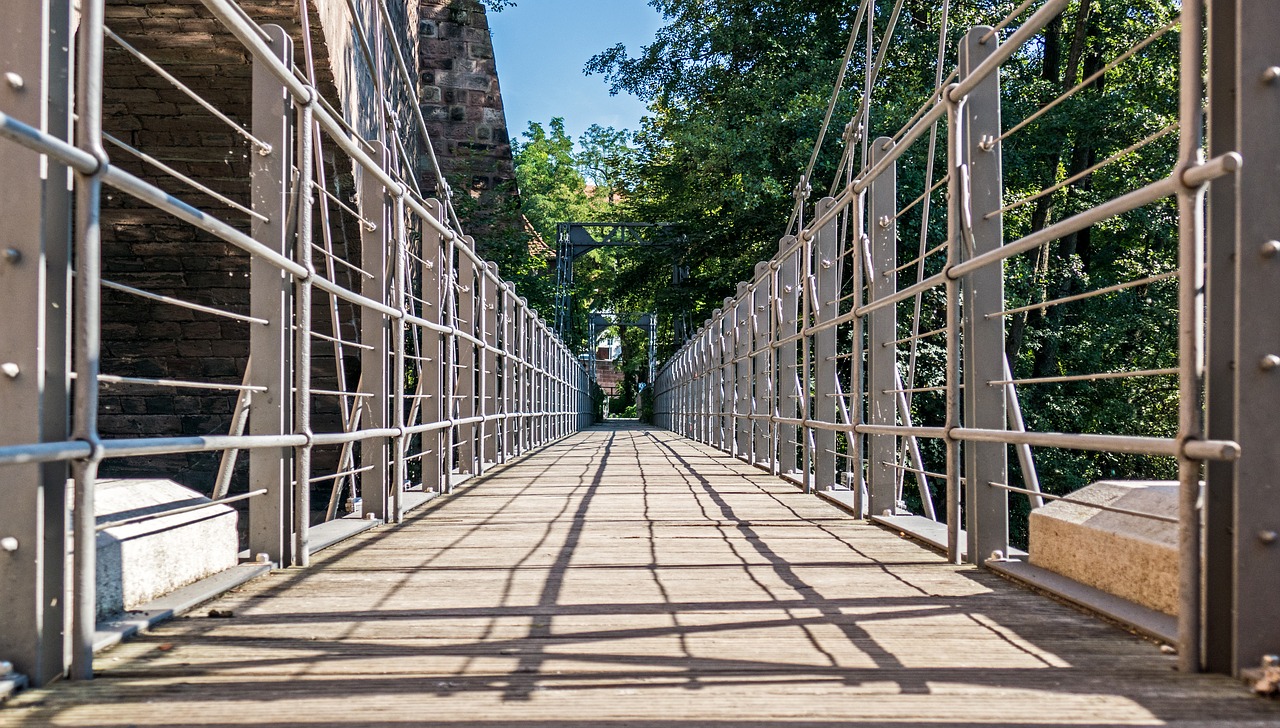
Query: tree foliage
{"points": [[736, 91]]}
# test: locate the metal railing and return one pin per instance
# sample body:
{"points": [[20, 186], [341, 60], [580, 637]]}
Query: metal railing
{"points": [[814, 369], [455, 371]]}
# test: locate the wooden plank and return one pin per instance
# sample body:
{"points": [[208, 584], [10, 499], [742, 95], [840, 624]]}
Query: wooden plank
{"points": [[626, 576]]}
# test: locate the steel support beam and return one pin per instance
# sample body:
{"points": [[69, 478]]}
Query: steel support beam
{"points": [[882, 330], [466, 376], [270, 298], [34, 339], [375, 332], [788, 299], [762, 376], [490, 395], [986, 508], [435, 467], [742, 372], [1253, 631], [509, 425], [826, 274]]}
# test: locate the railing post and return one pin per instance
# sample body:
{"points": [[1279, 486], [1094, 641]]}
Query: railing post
{"points": [[708, 380], [826, 273], [986, 508], [789, 319], [465, 377], [882, 353], [302, 344], [435, 466], [492, 296], [541, 402], [1255, 528], [728, 378], [34, 260], [742, 372], [1220, 344], [955, 193], [762, 392], [855, 474], [525, 388], [375, 332], [509, 312], [715, 435], [399, 251], [484, 291], [270, 294]]}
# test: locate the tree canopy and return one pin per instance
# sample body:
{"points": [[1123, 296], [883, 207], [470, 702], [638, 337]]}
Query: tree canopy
{"points": [[736, 92]]}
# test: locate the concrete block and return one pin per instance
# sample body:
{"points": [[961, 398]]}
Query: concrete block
{"points": [[139, 562], [1128, 556]]}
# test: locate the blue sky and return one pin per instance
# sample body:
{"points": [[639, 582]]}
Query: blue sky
{"points": [[541, 46]]}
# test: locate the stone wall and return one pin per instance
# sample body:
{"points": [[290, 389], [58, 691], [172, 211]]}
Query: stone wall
{"points": [[154, 252], [461, 98]]}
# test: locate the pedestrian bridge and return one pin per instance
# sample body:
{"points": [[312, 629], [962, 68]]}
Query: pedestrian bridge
{"points": [[628, 576], [227, 270]]}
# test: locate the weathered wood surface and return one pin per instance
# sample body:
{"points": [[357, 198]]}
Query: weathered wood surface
{"points": [[629, 577]]}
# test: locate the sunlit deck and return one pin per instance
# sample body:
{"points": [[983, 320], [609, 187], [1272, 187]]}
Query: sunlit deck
{"points": [[627, 576]]}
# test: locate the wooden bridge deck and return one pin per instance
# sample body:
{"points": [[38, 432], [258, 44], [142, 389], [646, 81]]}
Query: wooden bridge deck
{"points": [[626, 576]]}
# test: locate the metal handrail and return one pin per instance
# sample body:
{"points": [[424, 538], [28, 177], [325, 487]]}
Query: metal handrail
{"points": [[522, 389]]}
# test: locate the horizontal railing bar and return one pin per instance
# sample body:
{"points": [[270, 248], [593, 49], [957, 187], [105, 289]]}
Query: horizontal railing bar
{"points": [[1025, 32], [1090, 79], [1083, 296], [1130, 444], [177, 511], [914, 337], [1088, 377], [182, 304], [342, 474], [917, 471], [248, 136], [340, 260], [1085, 172], [162, 166], [1013, 14], [177, 383], [1116, 206], [1099, 506], [342, 342], [1188, 179]]}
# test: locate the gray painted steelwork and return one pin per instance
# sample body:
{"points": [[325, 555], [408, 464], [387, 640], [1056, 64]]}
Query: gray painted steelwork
{"points": [[489, 377], [1241, 264]]}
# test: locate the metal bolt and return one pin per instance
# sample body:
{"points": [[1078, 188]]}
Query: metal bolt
{"points": [[15, 81], [10, 369], [1268, 537], [8, 543], [826, 264], [884, 221], [1271, 74], [1270, 248], [12, 255], [1269, 362]]}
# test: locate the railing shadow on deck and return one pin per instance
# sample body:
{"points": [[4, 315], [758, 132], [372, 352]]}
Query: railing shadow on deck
{"points": [[531, 677]]}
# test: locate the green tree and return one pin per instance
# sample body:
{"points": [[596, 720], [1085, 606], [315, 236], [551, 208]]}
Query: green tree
{"points": [[736, 92]]}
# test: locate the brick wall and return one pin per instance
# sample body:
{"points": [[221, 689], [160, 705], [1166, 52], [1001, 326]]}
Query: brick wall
{"points": [[461, 98], [150, 250], [448, 42]]}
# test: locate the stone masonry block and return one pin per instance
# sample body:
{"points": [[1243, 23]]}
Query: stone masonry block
{"points": [[142, 561], [1131, 557]]}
